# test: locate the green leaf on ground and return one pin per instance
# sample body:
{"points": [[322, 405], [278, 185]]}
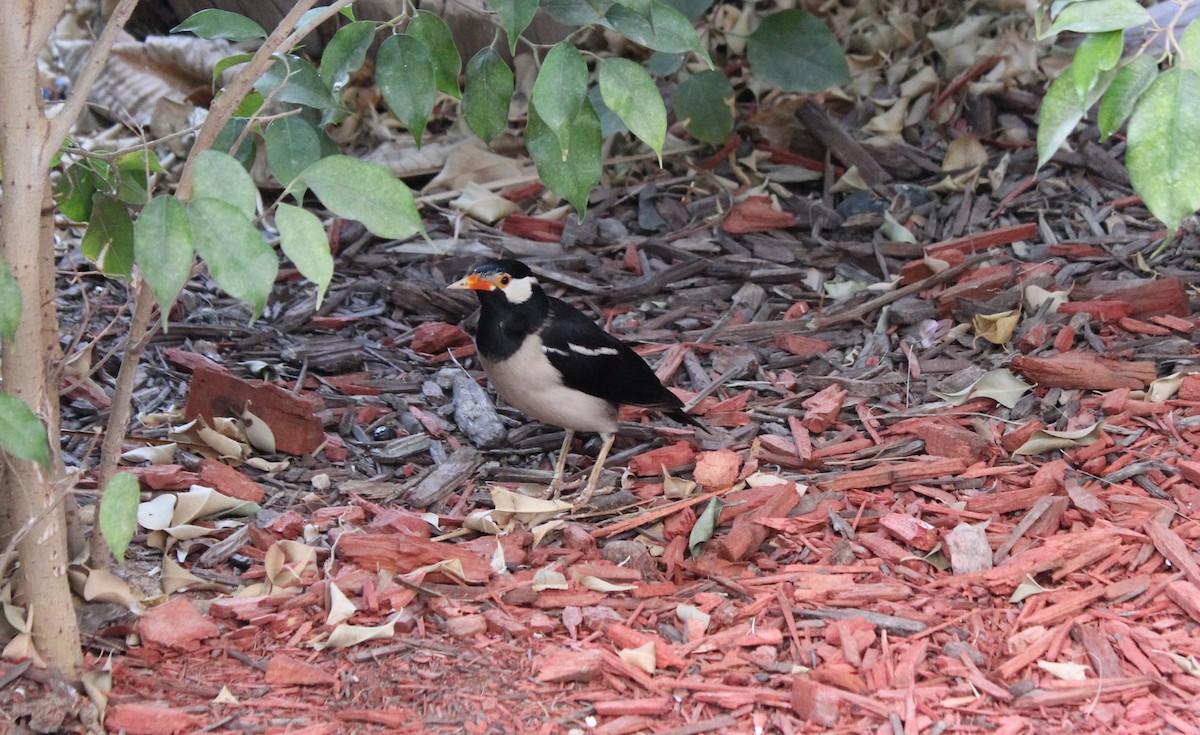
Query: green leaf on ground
{"points": [[488, 93], [628, 90], [293, 79], [212, 24], [572, 172], [706, 525], [515, 16], [163, 250], [1164, 147], [795, 52], [293, 144], [22, 434], [435, 34], [10, 302], [118, 513], [560, 89], [219, 175], [1098, 16], [345, 53], [405, 76], [108, 241], [303, 239], [1096, 53], [1127, 87], [238, 259], [658, 27], [367, 192], [704, 104]]}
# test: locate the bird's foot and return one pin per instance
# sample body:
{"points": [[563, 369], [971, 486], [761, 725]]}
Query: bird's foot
{"points": [[556, 488]]}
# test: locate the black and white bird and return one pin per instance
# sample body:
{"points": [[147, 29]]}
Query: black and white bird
{"points": [[550, 361]]}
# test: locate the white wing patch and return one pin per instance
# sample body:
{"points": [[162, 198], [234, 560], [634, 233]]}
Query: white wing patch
{"points": [[553, 351], [590, 352]]}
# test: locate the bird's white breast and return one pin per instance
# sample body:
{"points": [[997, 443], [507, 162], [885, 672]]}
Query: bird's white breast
{"points": [[529, 383]]}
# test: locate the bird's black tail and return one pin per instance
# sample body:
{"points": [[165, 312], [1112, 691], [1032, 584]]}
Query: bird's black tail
{"points": [[686, 418]]}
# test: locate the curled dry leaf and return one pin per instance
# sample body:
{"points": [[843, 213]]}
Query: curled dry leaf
{"points": [[1002, 386], [1063, 670], [97, 684], [257, 432], [481, 204], [1164, 389], [225, 697], [542, 529], [153, 453], [676, 488], [549, 578], [498, 563], [1027, 588], [522, 508], [1035, 296], [344, 635], [341, 608], [596, 584], [996, 328], [1045, 440], [175, 578], [643, 657], [104, 586], [286, 561], [484, 521]]}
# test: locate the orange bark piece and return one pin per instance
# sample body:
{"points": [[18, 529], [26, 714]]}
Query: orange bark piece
{"points": [[165, 477], [746, 534], [665, 655], [1102, 310], [945, 439], [717, 469], [228, 481], [1018, 436], [533, 228], [570, 666], [283, 670], [1189, 389], [291, 418], [815, 703], [1146, 297], [176, 625], [1137, 326], [402, 554], [191, 360], [148, 719], [1187, 596], [911, 530], [643, 706], [897, 473], [822, 408], [1170, 321], [434, 337], [984, 240], [756, 214], [801, 346], [673, 456], [1084, 370]]}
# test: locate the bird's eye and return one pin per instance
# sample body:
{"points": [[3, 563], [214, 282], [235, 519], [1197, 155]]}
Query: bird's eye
{"points": [[504, 280]]}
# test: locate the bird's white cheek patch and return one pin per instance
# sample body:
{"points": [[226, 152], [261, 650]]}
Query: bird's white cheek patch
{"points": [[591, 352], [519, 290]]}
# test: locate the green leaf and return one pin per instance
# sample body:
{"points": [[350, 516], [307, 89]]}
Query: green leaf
{"points": [[560, 89], [133, 173], [405, 76], [74, 189], [1163, 156], [1189, 47], [576, 12], [706, 526], [108, 241], [1062, 109], [610, 124], [691, 9], [367, 192], [488, 93], [704, 104], [250, 105], [292, 79], [657, 26], [238, 259], [346, 53], [1097, 16], [227, 62], [212, 24], [1126, 88], [628, 90], [292, 144], [571, 171], [302, 238], [229, 135], [795, 52], [432, 31], [664, 65], [163, 250], [10, 302], [515, 17], [118, 513], [1096, 53], [22, 434], [219, 175]]}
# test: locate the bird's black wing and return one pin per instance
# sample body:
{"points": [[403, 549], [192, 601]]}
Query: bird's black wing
{"points": [[593, 361]]}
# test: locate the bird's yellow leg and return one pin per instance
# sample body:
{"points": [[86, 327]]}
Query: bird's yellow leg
{"points": [[594, 478], [559, 465]]}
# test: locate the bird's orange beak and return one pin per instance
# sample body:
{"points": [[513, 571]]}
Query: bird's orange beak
{"points": [[475, 282]]}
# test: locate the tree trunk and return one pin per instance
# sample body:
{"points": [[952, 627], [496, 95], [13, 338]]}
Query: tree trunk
{"points": [[33, 491]]}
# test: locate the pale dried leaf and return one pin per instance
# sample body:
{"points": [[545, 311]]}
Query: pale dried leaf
{"points": [[522, 508], [643, 657], [542, 529], [676, 488], [549, 578], [1063, 670], [1045, 440], [1035, 296], [225, 697], [175, 578], [996, 328], [1027, 588], [344, 635], [484, 521], [341, 608], [153, 453], [104, 586], [1164, 389], [258, 433], [1001, 385], [482, 204], [596, 584]]}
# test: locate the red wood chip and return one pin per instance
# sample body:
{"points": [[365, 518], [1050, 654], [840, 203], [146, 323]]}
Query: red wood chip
{"points": [[177, 625], [283, 670], [148, 719], [717, 469]]}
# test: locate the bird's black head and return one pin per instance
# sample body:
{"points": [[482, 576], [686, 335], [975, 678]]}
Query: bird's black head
{"points": [[508, 281]]}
